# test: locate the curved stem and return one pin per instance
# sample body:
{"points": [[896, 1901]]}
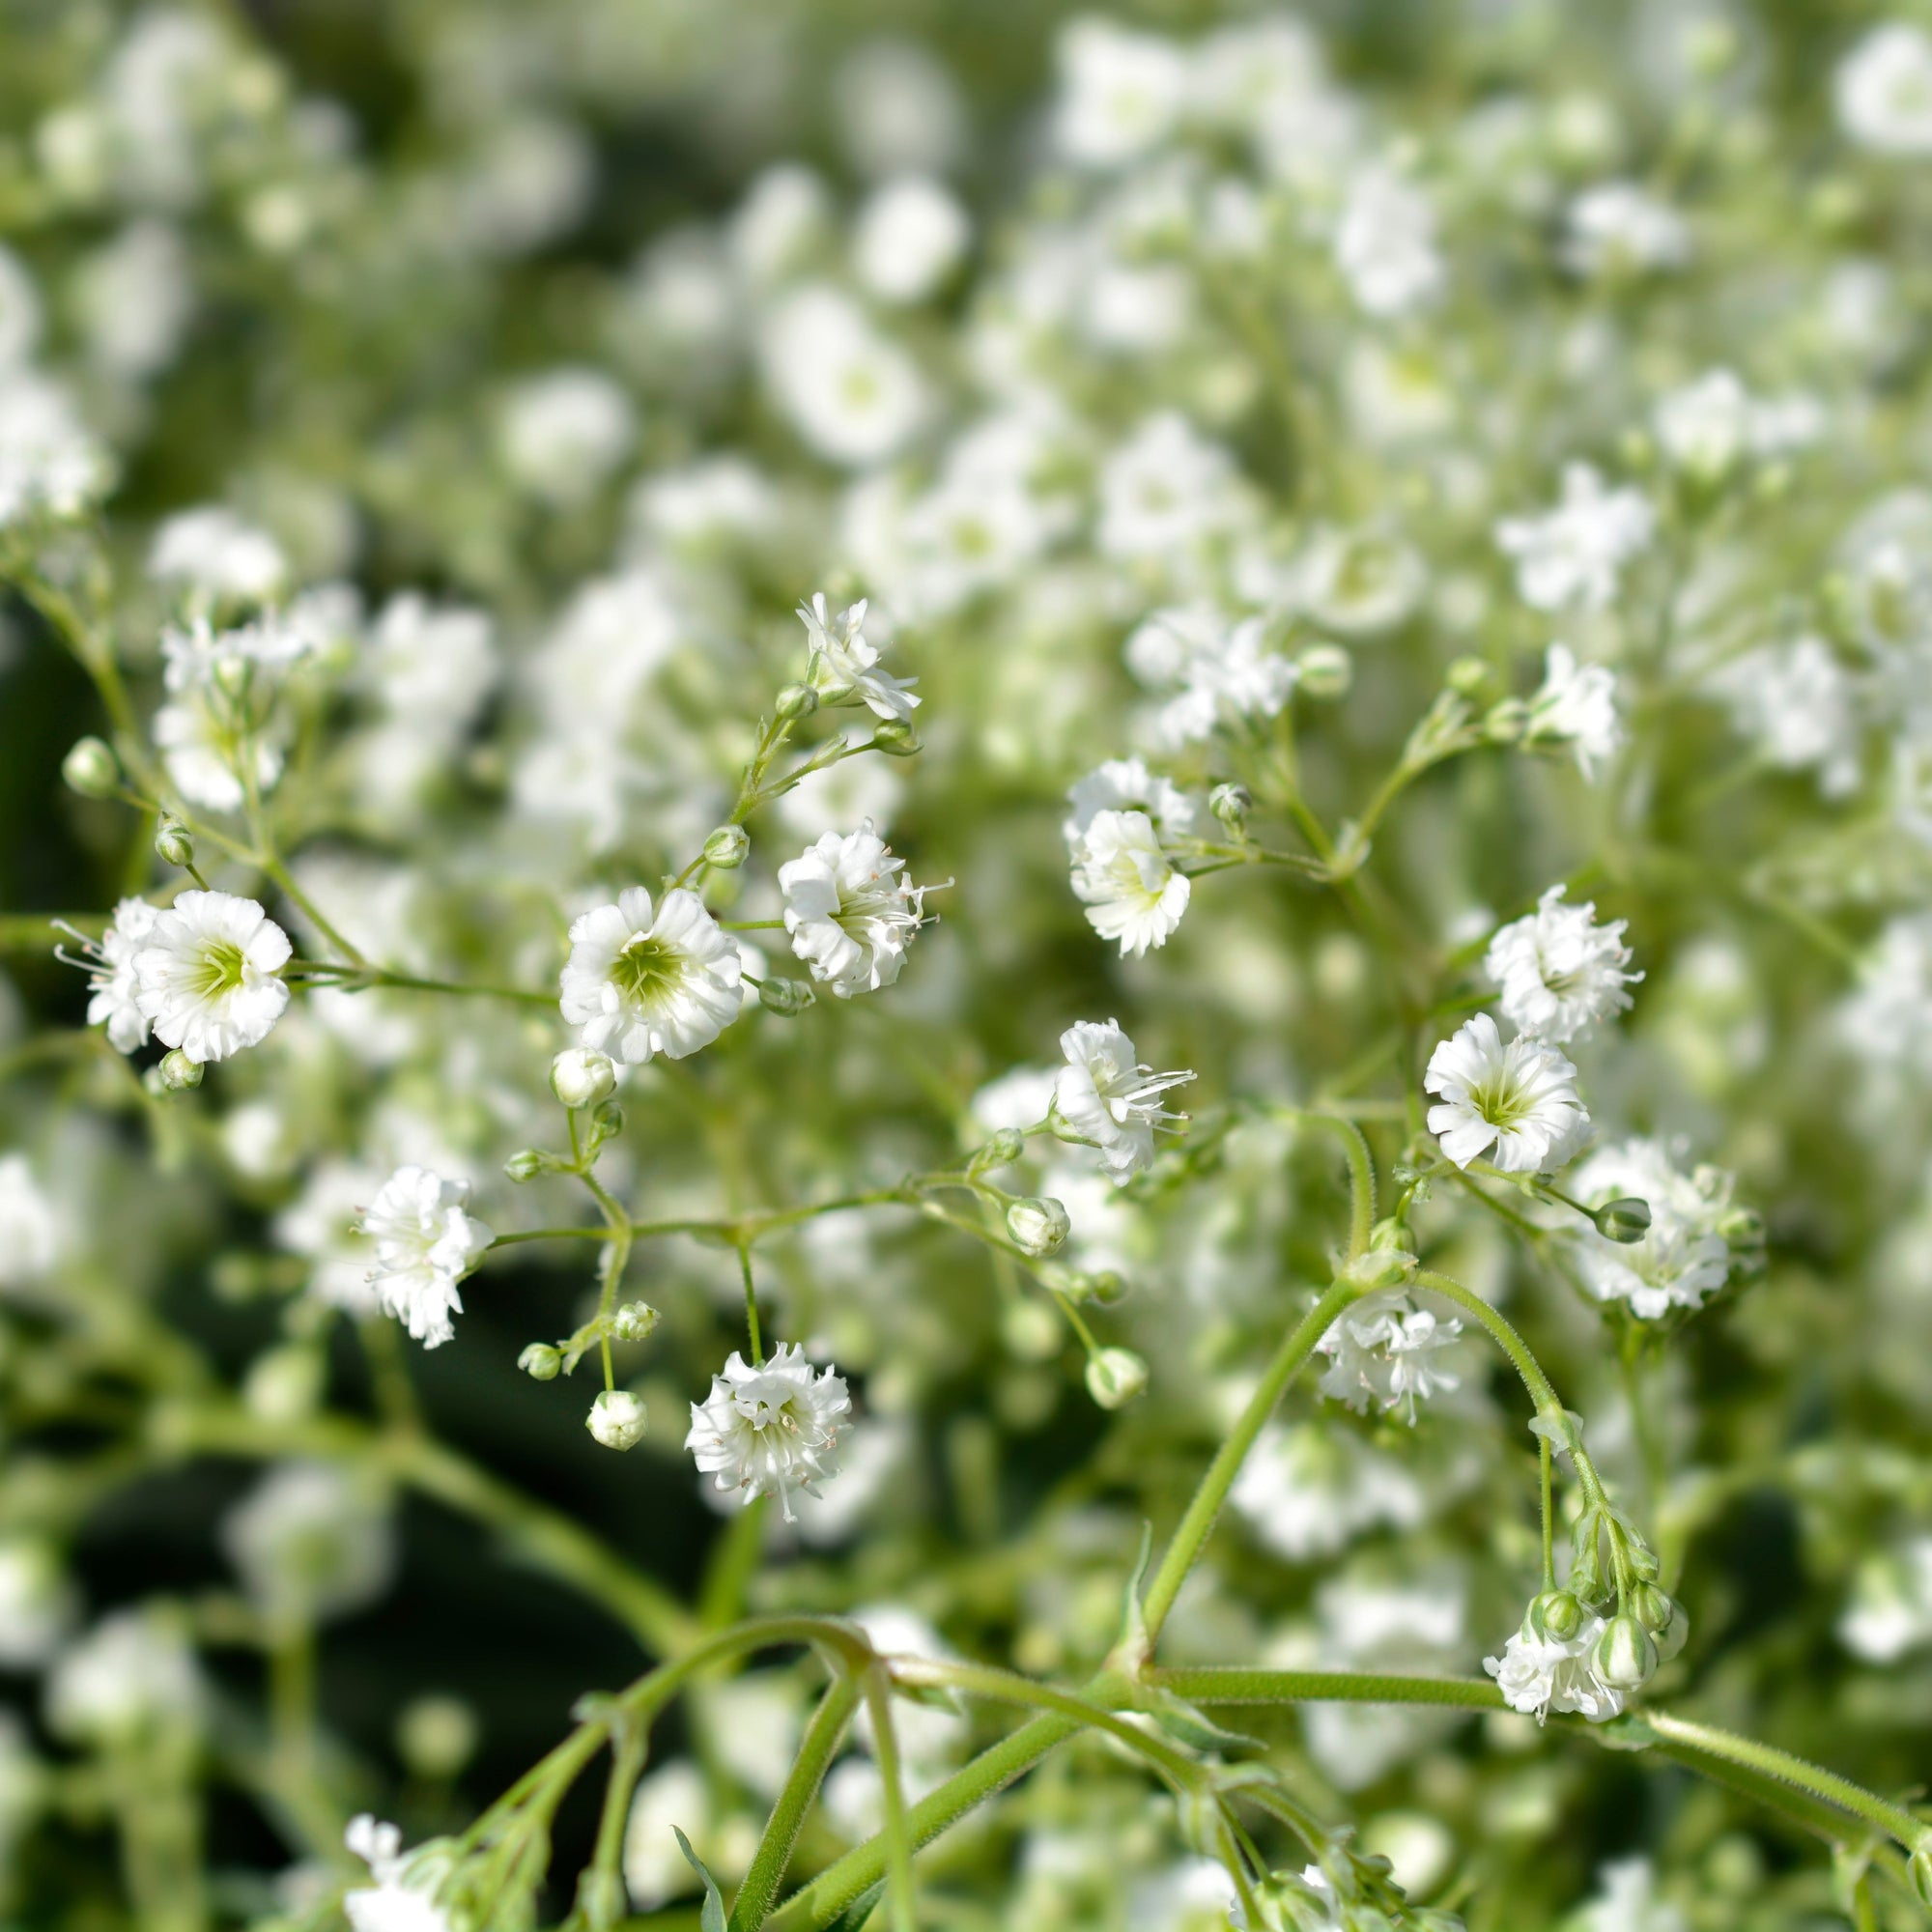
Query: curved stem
{"points": [[820, 1744]]}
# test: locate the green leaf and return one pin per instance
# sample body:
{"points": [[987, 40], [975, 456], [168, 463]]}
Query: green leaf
{"points": [[1189, 1725], [1133, 1647], [712, 1918], [855, 1915], [1628, 1732]]}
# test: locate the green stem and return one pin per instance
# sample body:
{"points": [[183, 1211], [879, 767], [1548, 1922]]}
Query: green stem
{"points": [[1545, 1484], [1235, 1684], [750, 1305], [901, 1893], [820, 1744]]}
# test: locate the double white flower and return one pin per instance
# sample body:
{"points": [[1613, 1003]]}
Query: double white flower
{"points": [[1105, 1098], [1381, 1353], [1559, 970], [425, 1244], [850, 912], [1539, 1673], [772, 1429], [1518, 1100], [1130, 886], [643, 980]]}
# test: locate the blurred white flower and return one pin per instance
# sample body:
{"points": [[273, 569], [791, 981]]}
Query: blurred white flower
{"points": [[1385, 245], [853, 395], [311, 1542], [1884, 91], [1570, 557], [1307, 1491], [400, 1901], [1619, 227], [1627, 1901], [37, 1602], [1225, 671], [1121, 93], [1126, 784], [1798, 702], [217, 557], [1890, 1613], [1576, 705], [50, 464], [910, 235], [563, 434], [132, 1676]]}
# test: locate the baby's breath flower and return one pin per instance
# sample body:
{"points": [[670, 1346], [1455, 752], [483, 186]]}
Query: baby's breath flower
{"points": [[643, 980], [1106, 1097], [206, 975], [852, 394], [1576, 705], [1518, 1100], [109, 965], [770, 1429], [401, 1900], [425, 1244], [1618, 228], [1381, 1353], [1681, 1256], [1126, 784], [1538, 1672], [1570, 557], [1385, 245], [1130, 887], [616, 1419], [1884, 91], [850, 914], [217, 558], [846, 667], [1225, 671], [1559, 970]]}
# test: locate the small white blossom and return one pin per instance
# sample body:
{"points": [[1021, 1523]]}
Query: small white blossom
{"points": [[1129, 885], [1540, 1674], [1619, 227], [133, 1675], [1381, 1353], [29, 1227], [1385, 245], [1887, 1021], [1166, 491], [217, 558], [1518, 1100], [1798, 702], [846, 667], [616, 1419], [1558, 970], [311, 1541], [1576, 705], [401, 1899], [1570, 557], [1359, 582], [1226, 671], [1309, 1490], [909, 236], [425, 1244], [1106, 1097], [206, 975], [563, 434], [50, 464], [770, 1430], [1884, 91], [852, 394], [1683, 1258], [1627, 1901], [850, 913], [1890, 1610], [1121, 93], [643, 980], [109, 965], [1126, 784]]}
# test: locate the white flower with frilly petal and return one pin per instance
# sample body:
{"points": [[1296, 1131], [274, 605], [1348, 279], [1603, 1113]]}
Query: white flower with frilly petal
{"points": [[640, 981], [1126, 784], [206, 976], [850, 913], [1518, 1100], [1683, 1258], [1226, 673], [1569, 559], [393, 1904], [770, 1429], [1129, 885], [846, 666], [109, 965], [1559, 970], [1540, 1674], [425, 1244], [1576, 705], [1381, 1353], [1106, 1097], [217, 556]]}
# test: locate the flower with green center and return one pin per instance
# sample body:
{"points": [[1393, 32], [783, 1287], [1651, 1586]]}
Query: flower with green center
{"points": [[1518, 1100], [643, 980], [206, 977]]}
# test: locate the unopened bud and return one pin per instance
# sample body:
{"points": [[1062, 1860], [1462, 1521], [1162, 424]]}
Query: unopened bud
{"points": [[1378, 1267], [607, 1121], [1505, 723], [785, 997], [172, 844], [1469, 677], [896, 738], [1040, 1225], [1556, 1613], [1920, 1871], [90, 769], [1326, 673], [178, 1072], [1231, 803], [1115, 1377], [797, 700], [525, 1164], [1626, 1219], [1107, 1286], [541, 1362], [633, 1322], [1652, 1607], [616, 1419], [1625, 1655], [579, 1076], [725, 850], [1002, 1150]]}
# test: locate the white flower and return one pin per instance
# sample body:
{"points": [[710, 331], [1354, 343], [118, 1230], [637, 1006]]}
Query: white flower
{"points": [[853, 394], [909, 236], [1890, 1610], [1380, 1351], [1520, 1097], [1617, 227], [1541, 1674], [1226, 671], [323, 1223], [201, 657], [1130, 889], [1576, 705], [1798, 702], [1359, 581], [311, 1541], [19, 312], [850, 914], [1106, 1097], [29, 1227], [1559, 970], [133, 1675], [1167, 489], [1886, 1021], [36, 1603], [217, 558], [1884, 91], [203, 753], [206, 976], [563, 434], [640, 982], [1385, 245], [846, 667], [1121, 93], [132, 299], [400, 1901], [770, 1430], [49, 462], [1570, 557], [1308, 1489], [616, 1419], [1126, 784], [109, 965], [1683, 1255], [425, 1244], [1627, 1901]]}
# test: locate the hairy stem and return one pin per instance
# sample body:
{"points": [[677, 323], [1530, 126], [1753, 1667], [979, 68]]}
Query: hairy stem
{"points": [[820, 1744]]}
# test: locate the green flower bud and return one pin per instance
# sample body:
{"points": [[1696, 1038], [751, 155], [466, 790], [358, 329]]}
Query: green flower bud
{"points": [[1378, 1267], [728, 848], [1625, 1219], [1002, 1150], [1556, 1613], [1921, 1872], [580, 1077], [1231, 803], [1470, 677], [1326, 673], [1040, 1225], [1504, 725], [172, 844], [90, 769], [178, 1072], [784, 997], [797, 700], [525, 1164], [541, 1362], [1652, 1607], [633, 1322], [896, 738], [1115, 1377], [607, 1121], [1626, 1654], [1107, 1286]]}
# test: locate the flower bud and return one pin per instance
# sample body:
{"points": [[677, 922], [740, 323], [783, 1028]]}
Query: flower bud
{"points": [[525, 1164], [90, 769], [607, 1121], [726, 849], [579, 1076], [541, 1362], [784, 997], [896, 738], [178, 1072], [1040, 1225], [1231, 803], [1921, 1872], [616, 1419], [1625, 1219], [1505, 723], [633, 1322], [1002, 1150], [797, 700], [1624, 1655], [172, 844], [1378, 1267], [1469, 677], [1115, 1377], [1030, 1330], [1107, 1286], [1326, 673], [1652, 1607], [1556, 1613]]}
